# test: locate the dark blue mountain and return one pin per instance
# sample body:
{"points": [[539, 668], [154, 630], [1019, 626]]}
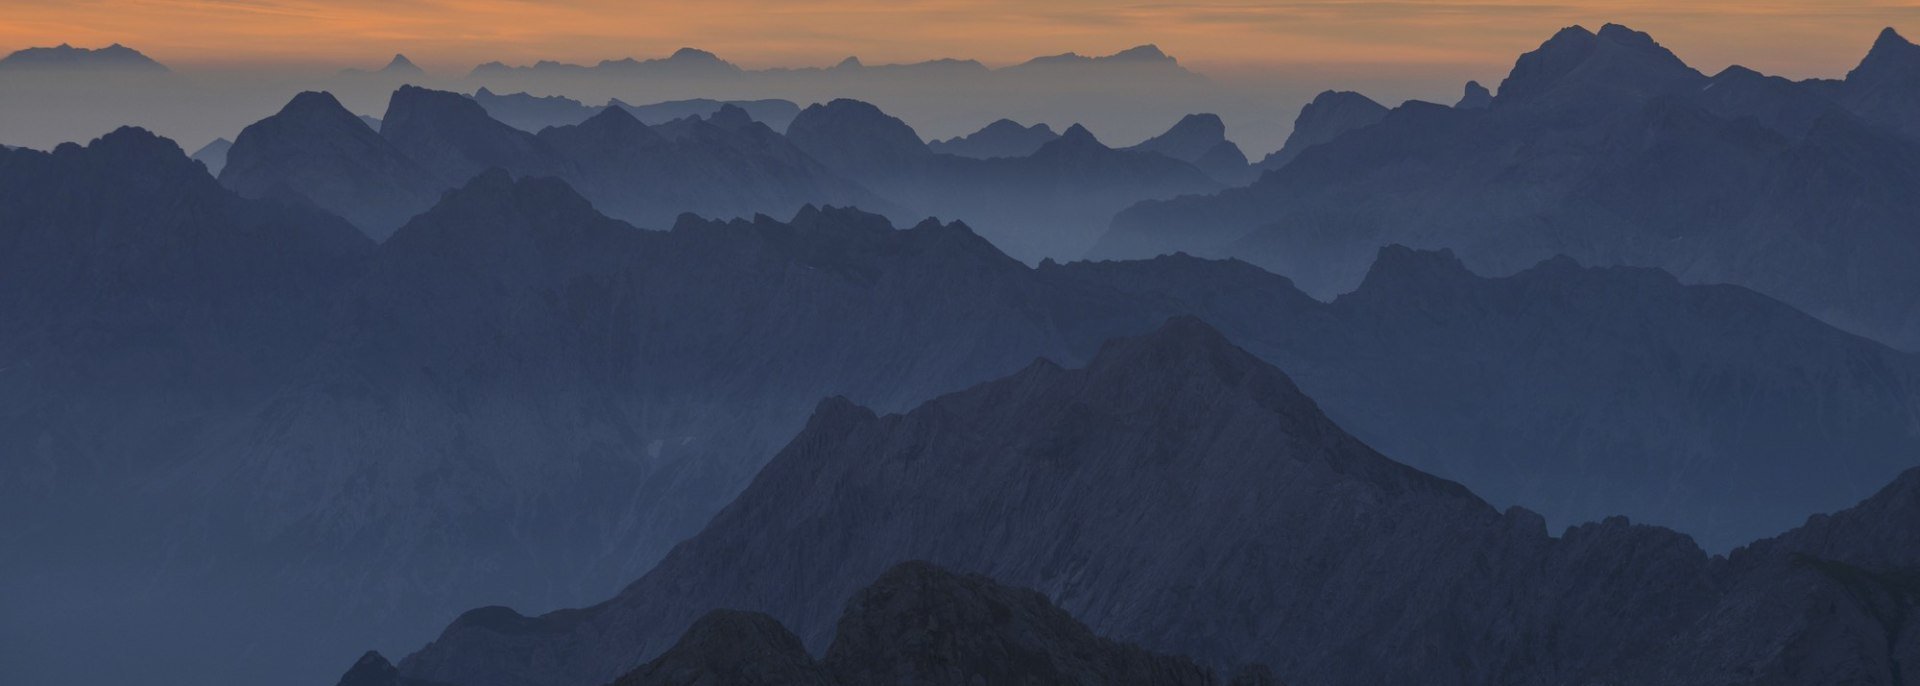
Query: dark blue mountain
{"points": [[1180, 494]]}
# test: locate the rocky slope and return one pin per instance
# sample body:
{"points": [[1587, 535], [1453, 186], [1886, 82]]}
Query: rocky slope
{"points": [[1107, 487]]}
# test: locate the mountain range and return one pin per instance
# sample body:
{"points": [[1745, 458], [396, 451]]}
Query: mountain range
{"points": [[1051, 203], [316, 152], [531, 113], [517, 399], [1180, 494], [1606, 147], [66, 58]]}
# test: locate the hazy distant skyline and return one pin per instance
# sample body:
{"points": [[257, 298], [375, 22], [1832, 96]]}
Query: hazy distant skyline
{"points": [[1235, 40]]}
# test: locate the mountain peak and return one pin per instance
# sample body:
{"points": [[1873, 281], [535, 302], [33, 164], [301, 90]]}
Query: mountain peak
{"points": [[1890, 39], [730, 116], [1193, 138], [401, 65], [495, 219], [854, 136], [1892, 57], [1143, 53], [1475, 97], [1078, 134], [693, 55], [316, 104], [851, 62], [372, 669], [1577, 65]]}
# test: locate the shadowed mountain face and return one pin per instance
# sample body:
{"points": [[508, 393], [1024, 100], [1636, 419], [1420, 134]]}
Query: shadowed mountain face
{"points": [[316, 153], [1051, 203], [1605, 147], [144, 310], [917, 624], [1106, 488]]}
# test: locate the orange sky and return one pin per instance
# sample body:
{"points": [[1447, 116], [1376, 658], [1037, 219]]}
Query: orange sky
{"points": [[1798, 38]]}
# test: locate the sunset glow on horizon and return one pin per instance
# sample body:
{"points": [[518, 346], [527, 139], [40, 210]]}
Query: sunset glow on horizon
{"points": [[1799, 39]]}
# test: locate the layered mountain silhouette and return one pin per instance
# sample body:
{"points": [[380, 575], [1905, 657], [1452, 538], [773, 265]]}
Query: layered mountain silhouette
{"points": [[1051, 203], [515, 399], [1606, 147], [919, 624], [315, 152], [66, 58], [1129, 95], [1002, 138], [1180, 494]]}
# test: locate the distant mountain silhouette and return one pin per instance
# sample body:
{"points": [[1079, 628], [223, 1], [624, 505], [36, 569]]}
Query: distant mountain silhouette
{"points": [[113, 58], [1180, 494], [690, 62], [314, 152], [918, 624], [1201, 140], [398, 67], [1142, 55], [1051, 203], [683, 63], [530, 113], [1330, 114], [214, 155], [1605, 147], [1002, 138]]}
